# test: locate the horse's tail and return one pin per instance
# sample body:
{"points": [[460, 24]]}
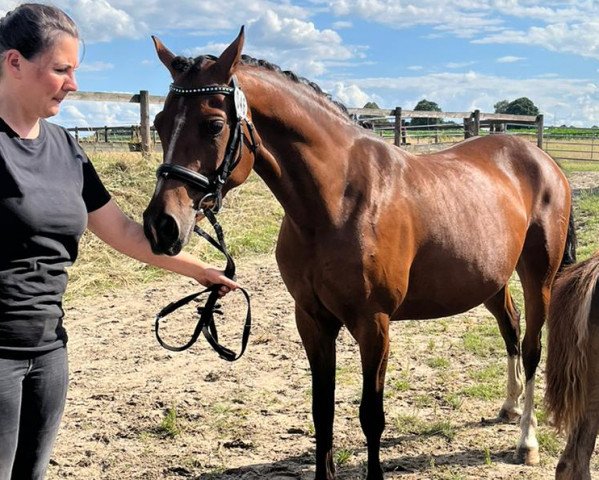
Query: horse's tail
{"points": [[569, 257], [568, 342]]}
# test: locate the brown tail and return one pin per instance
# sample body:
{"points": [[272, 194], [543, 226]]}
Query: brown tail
{"points": [[568, 341]]}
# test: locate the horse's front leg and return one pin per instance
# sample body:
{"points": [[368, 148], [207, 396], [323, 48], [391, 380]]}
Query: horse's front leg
{"points": [[372, 335], [318, 337]]}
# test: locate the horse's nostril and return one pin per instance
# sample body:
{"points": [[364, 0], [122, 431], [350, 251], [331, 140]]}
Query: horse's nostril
{"points": [[163, 233], [167, 228]]}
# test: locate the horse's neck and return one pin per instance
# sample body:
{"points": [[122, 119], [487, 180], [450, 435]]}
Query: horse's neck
{"points": [[305, 148]]}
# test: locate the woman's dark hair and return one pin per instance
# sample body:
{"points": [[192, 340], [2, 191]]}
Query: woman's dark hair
{"points": [[32, 28]]}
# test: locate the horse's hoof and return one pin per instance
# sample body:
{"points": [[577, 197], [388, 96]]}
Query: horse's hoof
{"points": [[527, 456], [509, 416]]}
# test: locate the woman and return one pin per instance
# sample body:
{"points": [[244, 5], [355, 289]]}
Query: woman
{"points": [[49, 193]]}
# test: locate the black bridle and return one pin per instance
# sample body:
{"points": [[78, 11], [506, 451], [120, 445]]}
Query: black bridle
{"points": [[213, 189], [213, 186]]}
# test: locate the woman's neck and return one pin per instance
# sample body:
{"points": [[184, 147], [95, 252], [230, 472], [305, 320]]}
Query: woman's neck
{"points": [[16, 117]]}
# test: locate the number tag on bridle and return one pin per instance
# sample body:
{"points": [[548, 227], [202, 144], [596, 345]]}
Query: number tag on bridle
{"points": [[241, 104]]}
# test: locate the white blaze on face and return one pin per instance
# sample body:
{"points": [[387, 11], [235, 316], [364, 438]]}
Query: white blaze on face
{"points": [[179, 123]]}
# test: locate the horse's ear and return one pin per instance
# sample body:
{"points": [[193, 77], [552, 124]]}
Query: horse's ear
{"points": [[228, 60], [165, 56]]}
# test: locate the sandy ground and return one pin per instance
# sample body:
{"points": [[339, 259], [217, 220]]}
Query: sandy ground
{"points": [[251, 419]]}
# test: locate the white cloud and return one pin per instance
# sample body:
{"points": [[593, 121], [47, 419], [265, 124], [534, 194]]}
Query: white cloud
{"points": [[350, 95], [76, 113], [342, 24], [101, 21], [509, 59], [456, 65], [576, 100]]}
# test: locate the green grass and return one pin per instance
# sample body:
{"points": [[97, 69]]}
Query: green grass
{"points": [[579, 166], [586, 217], [483, 340], [549, 442], [169, 426]]}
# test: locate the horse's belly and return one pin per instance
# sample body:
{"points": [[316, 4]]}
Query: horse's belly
{"points": [[420, 309], [439, 288]]}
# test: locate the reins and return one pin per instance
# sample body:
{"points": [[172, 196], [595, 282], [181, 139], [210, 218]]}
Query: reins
{"points": [[213, 187], [206, 323]]}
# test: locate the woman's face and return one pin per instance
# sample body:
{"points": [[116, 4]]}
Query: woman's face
{"points": [[50, 76]]}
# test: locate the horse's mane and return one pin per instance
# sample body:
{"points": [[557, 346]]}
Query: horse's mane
{"points": [[185, 64]]}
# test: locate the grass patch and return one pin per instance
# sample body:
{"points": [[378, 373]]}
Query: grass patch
{"points": [[343, 455], [169, 426], [484, 391], [440, 429], [549, 442], [586, 218], [438, 363], [483, 340]]}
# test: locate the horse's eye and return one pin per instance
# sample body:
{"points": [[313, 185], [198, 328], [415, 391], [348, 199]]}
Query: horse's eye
{"points": [[214, 127]]}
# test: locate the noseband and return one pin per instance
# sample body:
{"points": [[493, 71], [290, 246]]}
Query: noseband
{"points": [[213, 186]]}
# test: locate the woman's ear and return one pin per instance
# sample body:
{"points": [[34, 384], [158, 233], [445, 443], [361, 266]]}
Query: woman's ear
{"points": [[12, 63]]}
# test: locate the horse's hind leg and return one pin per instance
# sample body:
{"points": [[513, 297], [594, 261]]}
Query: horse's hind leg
{"points": [[574, 463], [536, 268], [503, 309], [318, 337]]}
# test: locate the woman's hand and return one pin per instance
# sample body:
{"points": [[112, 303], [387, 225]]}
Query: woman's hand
{"points": [[212, 276]]}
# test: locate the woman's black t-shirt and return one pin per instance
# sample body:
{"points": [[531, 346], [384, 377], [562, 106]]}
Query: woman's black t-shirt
{"points": [[47, 188]]}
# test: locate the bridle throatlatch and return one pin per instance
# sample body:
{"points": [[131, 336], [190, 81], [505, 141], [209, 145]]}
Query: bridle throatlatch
{"points": [[213, 189]]}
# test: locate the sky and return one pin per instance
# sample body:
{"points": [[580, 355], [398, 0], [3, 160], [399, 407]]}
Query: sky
{"points": [[462, 54]]}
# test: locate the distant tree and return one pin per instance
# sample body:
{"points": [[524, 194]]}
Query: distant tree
{"points": [[501, 106], [371, 105], [522, 106], [425, 106]]}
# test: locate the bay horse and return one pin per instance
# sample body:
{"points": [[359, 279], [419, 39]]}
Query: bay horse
{"points": [[572, 373], [371, 233]]}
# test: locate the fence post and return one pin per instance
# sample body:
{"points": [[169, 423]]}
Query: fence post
{"points": [[144, 112], [467, 127], [105, 134], [397, 129], [540, 126], [476, 122]]}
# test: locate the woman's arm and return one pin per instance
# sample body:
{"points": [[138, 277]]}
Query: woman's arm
{"points": [[112, 226]]}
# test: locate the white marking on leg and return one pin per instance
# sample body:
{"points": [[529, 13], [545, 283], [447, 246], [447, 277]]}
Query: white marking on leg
{"points": [[528, 424], [515, 386]]}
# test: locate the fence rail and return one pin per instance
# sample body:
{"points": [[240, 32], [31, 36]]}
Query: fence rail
{"points": [[384, 120]]}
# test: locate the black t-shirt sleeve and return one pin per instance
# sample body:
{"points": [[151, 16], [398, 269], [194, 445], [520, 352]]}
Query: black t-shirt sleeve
{"points": [[94, 193]]}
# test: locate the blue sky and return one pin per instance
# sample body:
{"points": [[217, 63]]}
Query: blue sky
{"points": [[461, 54]]}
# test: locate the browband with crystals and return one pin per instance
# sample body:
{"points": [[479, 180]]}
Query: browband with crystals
{"points": [[224, 89]]}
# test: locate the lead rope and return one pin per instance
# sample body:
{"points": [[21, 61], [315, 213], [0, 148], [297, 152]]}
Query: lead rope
{"points": [[205, 324]]}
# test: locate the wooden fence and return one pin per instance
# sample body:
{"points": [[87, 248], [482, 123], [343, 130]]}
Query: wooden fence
{"points": [[471, 121]]}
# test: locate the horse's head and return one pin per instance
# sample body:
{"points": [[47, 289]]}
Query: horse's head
{"points": [[207, 140]]}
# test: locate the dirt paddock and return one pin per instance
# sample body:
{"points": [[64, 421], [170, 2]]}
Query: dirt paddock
{"points": [[137, 411]]}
